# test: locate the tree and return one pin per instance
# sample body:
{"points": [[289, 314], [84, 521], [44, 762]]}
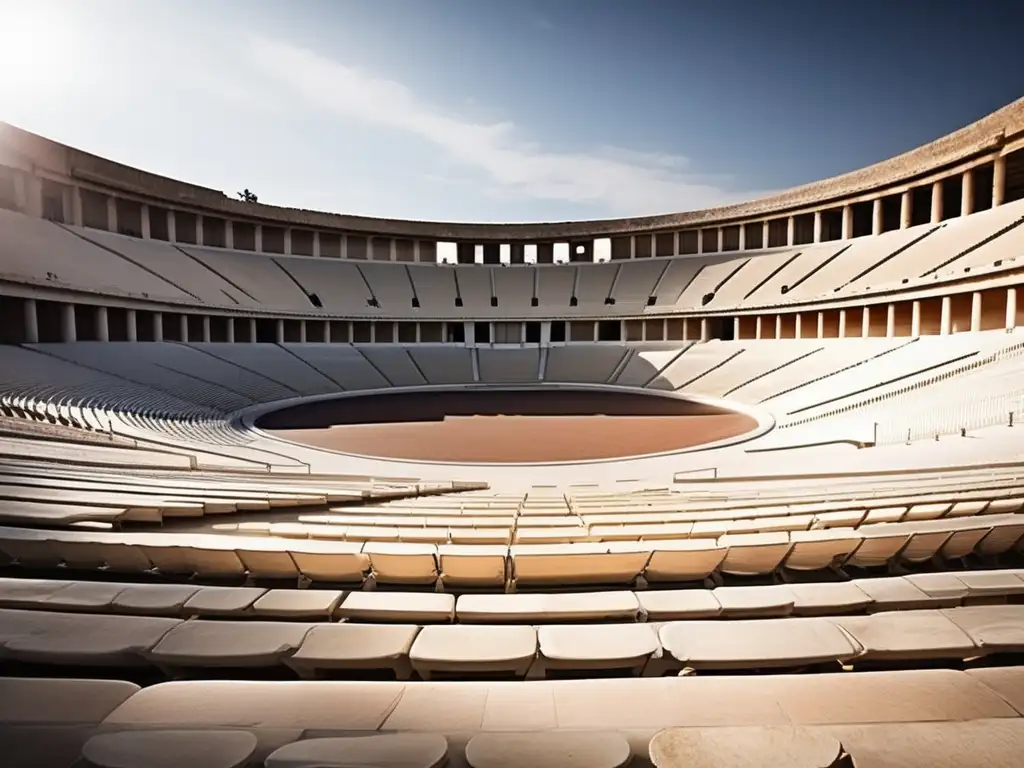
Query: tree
{"points": [[247, 197]]}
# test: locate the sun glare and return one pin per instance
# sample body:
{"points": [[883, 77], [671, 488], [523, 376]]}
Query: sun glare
{"points": [[37, 57]]}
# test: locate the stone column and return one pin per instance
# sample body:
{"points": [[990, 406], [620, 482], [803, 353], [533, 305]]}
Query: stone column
{"points": [[288, 241], [279, 332], [229, 234], [1011, 308], [865, 322], [791, 230], [172, 227], [890, 321], [302, 331], [704, 330], [327, 332], [967, 193], [68, 330], [183, 325], [207, 331], [743, 237], [132, 321], [847, 222], [720, 238], [758, 328], [778, 326], [946, 323], [316, 246], [144, 214], [112, 214], [764, 235], [798, 326], [937, 202], [999, 181], [158, 326], [821, 325], [258, 238], [915, 319], [975, 311], [77, 217], [252, 329], [102, 324], [199, 229], [876, 216], [230, 330], [735, 328], [817, 226], [842, 323], [906, 209], [31, 321]]}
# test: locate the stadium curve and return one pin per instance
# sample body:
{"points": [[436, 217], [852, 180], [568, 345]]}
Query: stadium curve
{"points": [[178, 572]]}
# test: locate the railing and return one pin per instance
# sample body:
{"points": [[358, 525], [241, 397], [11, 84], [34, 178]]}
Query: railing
{"points": [[959, 418], [1014, 350]]}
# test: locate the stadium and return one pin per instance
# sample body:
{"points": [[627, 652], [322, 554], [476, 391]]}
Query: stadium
{"points": [[314, 489]]}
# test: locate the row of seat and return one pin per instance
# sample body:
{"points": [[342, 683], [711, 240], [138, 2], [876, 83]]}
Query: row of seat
{"points": [[988, 742], [311, 649], [869, 595], [503, 566], [918, 719]]}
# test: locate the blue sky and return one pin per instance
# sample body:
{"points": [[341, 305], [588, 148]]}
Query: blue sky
{"points": [[505, 110]]}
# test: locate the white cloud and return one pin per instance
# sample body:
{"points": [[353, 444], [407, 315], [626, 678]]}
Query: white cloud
{"points": [[618, 181]]}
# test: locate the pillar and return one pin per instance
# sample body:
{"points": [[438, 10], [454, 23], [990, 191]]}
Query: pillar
{"points": [[1011, 308], [764, 234], [68, 331], [937, 202], [207, 335], [865, 322], [112, 214], [915, 319], [999, 181], [946, 323], [183, 326], [735, 328], [799, 325], [302, 332], [876, 216], [842, 324], [230, 330], [906, 209], [288, 241], [890, 321], [327, 331], [791, 230], [102, 324], [258, 238], [172, 227], [817, 226], [229, 234], [757, 328], [975, 311], [279, 332], [199, 229], [132, 321], [252, 329], [146, 231], [77, 217], [847, 222], [158, 326], [967, 193], [316, 247], [743, 237], [31, 322], [821, 325], [704, 330], [778, 327]]}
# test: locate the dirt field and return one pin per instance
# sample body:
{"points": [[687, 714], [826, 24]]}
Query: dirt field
{"points": [[506, 427]]}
